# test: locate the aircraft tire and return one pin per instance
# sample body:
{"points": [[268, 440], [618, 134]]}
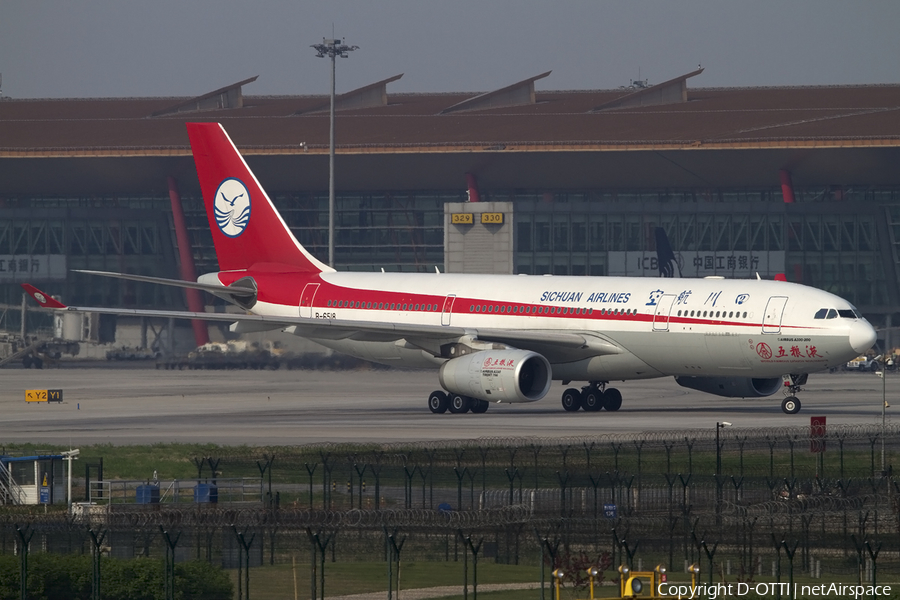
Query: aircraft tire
{"points": [[572, 400], [438, 402], [612, 399], [593, 400], [459, 404], [790, 405], [479, 406]]}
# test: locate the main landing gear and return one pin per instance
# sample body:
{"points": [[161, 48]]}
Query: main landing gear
{"points": [[440, 402], [792, 384], [592, 398]]}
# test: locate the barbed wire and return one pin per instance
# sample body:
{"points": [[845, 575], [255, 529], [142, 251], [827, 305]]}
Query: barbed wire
{"points": [[750, 436]]}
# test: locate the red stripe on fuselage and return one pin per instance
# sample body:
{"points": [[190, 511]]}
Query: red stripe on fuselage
{"points": [[281, 285]]}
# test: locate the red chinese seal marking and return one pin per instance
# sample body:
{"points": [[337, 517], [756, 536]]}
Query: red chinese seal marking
{"points": [[764, 351]]}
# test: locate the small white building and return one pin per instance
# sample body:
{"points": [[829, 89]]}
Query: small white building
{"points": [[38, 479]]}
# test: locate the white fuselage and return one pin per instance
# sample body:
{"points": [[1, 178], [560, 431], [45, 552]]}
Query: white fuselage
{"points": [[662, 326]]}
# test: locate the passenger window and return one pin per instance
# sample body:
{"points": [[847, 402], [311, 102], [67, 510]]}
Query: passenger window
{"points": [[832, 314], [820, 314]]}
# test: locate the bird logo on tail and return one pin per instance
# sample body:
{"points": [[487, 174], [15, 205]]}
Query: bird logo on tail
{"points": [[232, 207]]}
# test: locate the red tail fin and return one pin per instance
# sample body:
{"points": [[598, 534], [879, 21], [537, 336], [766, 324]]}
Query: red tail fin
{"points": [[44, 299], [246, 228]]}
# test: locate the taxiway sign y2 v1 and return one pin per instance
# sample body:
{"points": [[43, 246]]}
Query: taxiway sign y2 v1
{"points": [[498, 338]]}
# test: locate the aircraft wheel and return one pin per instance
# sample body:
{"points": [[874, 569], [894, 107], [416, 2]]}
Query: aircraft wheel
{"points": [[571, 400], [479, 406], [438, 402], [790, 405], [459, 404], [593, 400], [612, 399]]}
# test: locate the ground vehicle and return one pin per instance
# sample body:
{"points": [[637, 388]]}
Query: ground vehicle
{"points": [[864, 363]]}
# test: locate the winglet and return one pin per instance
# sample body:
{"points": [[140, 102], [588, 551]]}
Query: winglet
{"points": [[45, 300]]}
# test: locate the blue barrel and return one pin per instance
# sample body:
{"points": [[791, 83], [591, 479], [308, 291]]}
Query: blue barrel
{"points": [[147, 494], [206, 493]]}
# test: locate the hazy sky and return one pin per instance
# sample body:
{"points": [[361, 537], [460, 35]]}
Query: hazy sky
{"points": [[100, 48]]}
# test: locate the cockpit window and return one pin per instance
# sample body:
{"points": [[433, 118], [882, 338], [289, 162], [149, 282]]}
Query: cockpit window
{"points": [[848, 314], [832, 314], [820, 314]]}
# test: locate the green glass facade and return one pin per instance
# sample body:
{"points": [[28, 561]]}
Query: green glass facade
{"points": [[844, 246]]}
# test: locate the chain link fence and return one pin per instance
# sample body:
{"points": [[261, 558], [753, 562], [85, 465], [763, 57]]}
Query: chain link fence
{"points": [[740, 502]]}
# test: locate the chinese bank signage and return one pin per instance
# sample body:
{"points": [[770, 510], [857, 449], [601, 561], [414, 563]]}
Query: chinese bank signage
{"points": [[734, 265], [19, 268]]}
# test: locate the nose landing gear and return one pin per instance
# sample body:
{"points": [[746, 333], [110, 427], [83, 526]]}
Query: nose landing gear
{"points": [[792, 385]]}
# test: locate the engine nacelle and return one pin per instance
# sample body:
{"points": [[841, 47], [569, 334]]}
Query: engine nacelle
{"points": [[732, 387], [498, 375]]}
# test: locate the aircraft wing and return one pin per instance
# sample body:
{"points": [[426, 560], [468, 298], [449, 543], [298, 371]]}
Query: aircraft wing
{"points": [[562, 345]]}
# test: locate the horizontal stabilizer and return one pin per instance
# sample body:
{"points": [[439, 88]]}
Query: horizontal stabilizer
{"points": [[242, 292]]}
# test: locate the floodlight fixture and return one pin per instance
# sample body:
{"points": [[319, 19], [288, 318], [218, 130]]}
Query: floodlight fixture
{"points": [[331, 48]]}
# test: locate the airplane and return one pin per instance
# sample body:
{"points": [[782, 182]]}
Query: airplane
{"points": [[504, 338]]}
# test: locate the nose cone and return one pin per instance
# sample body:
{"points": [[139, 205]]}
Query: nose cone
{"points": [[862, 336]]}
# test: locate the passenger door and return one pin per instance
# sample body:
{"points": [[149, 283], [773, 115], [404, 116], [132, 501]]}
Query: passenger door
{"points": [[773, 314], [448, 308], [663, 312], [306, 299]]}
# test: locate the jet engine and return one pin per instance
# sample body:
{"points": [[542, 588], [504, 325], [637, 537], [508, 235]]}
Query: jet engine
{"points": [[732, 387], [498, 375]]}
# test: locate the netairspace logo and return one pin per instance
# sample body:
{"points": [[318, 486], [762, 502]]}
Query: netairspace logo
{"points": [[736, 590], [232, 207]]}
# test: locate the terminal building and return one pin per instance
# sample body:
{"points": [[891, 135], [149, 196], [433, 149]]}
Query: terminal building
{"points": [[803, 181]]}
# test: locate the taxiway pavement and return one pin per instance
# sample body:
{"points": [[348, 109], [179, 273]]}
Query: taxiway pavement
{"points": [[143, 406]]}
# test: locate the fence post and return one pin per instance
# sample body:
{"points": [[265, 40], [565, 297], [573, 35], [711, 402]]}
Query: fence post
{"points": [[97, 538], [25, 534], [310, 473], [170, 562]]}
